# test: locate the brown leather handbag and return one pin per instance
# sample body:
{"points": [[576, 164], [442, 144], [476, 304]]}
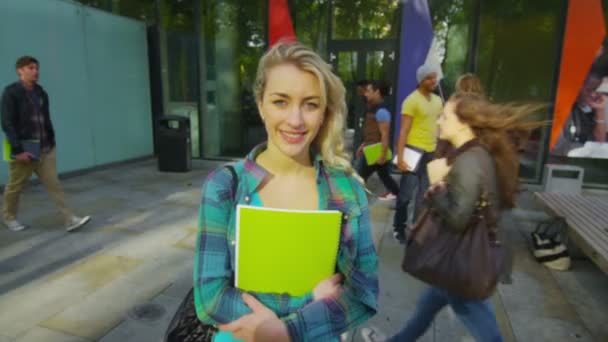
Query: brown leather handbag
{"points": [[467, 264]]}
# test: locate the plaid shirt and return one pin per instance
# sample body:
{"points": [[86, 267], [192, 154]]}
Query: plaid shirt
{"points": [[218, 301], [38, 123]]}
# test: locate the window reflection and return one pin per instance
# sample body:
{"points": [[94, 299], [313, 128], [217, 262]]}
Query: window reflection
{"points": [[235, 33]]}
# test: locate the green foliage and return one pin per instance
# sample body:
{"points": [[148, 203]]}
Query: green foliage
{"points": [[365, 19], [311, 23], [138, 9], [245, 21]]}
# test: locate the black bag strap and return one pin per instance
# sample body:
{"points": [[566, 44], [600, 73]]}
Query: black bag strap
{"points": [[235, 180], [235, 184], [185, 324]]}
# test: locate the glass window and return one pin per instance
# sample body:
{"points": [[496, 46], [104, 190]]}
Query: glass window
{"points": [[234, 41], [347, 71], [177, 14], [518, 47], [517, 60], [182, 58], [453, 23], [370, 19], [594, 164], [179, 55]]}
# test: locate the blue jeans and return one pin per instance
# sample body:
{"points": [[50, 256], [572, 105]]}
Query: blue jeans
{"points": [[477, 315], [409, 182]]}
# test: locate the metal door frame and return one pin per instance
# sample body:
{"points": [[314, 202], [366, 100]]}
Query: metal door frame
{"points": [[362, 47]]}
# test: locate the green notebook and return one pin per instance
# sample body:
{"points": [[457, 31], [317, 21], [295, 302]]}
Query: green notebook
{"points": [[6, 149], [285, 251], [32, 146], [372, 153]]}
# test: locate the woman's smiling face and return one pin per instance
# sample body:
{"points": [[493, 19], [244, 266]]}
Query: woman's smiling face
{"points": [[291, 107]]}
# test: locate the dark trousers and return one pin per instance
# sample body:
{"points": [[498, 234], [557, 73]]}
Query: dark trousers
{"points": [[410, 181], [383, 171], [477, 315]]}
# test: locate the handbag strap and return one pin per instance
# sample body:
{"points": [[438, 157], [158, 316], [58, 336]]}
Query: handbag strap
{"points": [[234, 187], [487, 212], [453, 154], [486, 209]]}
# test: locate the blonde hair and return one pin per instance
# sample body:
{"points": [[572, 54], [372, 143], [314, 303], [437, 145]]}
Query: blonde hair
{"points": [[497, 126], [330, 139], [469, 83]]}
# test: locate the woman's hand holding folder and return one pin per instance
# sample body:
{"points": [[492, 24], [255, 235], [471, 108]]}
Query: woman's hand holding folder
{"points": [[262, 324], [329, 288], [402, 165]]}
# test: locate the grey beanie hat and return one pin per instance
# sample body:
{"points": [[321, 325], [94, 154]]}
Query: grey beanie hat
{"points": [[424, 71]]}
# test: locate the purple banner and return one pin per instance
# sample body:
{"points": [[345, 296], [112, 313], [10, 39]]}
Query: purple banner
{"points": [[416, 39]]}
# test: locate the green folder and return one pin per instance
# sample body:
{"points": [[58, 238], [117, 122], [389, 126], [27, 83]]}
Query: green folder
{"points": [[32, 146], [285, 251], [372, 153], [6, 149]]}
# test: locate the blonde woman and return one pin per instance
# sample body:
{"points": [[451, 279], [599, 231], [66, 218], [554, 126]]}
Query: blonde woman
{"points": [[465, 84], [469, 83], [302, 104]]}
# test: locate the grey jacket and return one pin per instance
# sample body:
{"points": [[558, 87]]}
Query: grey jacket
{"points": [[473, 171]]}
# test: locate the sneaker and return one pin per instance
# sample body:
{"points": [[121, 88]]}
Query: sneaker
{"points": [[387, 197], [77, 222], [399, 236], [372, 335], [15, 225]]}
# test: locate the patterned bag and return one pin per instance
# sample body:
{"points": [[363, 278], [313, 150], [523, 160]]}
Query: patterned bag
{"points": [[185, 325], [548, 247]]}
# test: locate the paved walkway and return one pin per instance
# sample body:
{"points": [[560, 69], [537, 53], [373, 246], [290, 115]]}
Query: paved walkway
{"points": [[121, 278]]}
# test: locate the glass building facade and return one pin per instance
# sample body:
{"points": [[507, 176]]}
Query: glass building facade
{"points": [[204, 55]]}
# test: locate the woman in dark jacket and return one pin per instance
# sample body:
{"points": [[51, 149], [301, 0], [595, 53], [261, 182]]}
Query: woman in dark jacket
{"points": [[484, 160], [467, 83]]}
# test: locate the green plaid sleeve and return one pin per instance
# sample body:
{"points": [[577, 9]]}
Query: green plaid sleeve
{"points": [[217, 301], [326, 319]]}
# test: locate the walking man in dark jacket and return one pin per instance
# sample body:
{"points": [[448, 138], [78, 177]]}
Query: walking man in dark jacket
{"points": [[27, 126]]}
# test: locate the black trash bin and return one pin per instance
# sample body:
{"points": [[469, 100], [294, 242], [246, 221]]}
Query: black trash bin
{"points": [[173, 149]]}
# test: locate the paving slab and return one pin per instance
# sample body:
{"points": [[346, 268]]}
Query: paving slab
{"points": [[102, 310], [39, 334], [43, 298], [134, 330], [138, 250]]}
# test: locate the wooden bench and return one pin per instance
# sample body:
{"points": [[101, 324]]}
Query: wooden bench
{"points": [[587, 220]]}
